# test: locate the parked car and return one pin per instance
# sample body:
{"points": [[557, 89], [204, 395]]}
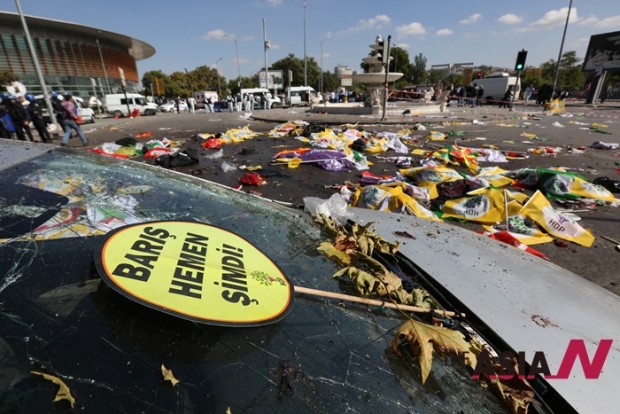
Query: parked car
{"points": [[220, 106], [87, 115], [81, 233], [170, 106]]}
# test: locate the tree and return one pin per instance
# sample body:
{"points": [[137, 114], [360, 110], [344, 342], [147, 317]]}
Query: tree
{"points": [[232, 87], [331, 82], [418, 70], [204, 78], [170, 87], [570, 75], [400, 63], [296, 65]]}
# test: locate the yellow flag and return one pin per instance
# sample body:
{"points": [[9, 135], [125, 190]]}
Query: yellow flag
{"points": [[556, 223]]}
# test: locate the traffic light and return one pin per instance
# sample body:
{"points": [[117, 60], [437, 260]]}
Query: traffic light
{"points": [[521, 56], [380, 48]]}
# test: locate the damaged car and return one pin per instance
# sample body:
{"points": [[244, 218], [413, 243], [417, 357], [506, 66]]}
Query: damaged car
{"points": [[126, 287]]}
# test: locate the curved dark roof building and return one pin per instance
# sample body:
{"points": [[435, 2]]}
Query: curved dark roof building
{"points": [[75, 58]]}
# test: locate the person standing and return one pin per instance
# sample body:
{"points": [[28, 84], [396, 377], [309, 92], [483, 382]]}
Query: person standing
{"points": [[229, 103], [36, 115], [69, 115], [528, 94], [252, 101], [58, 110], [209, 105], [191, 102], [6, 122], [507, 99], [20, 118], [461, 95], [474, 95]]}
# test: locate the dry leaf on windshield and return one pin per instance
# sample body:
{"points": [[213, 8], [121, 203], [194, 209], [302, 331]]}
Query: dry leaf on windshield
{"points": [[331, 251], [168, 376], [64, 393], [346, 244], [424, 339], [516, 392], [365, 282]]}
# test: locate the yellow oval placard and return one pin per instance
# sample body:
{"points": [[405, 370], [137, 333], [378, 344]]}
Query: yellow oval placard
{"points": [[195, 271]]}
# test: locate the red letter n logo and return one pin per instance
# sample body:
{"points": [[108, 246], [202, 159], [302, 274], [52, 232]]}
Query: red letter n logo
{"points": [[577, 349]]}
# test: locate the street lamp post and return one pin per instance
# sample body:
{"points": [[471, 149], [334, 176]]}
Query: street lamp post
{"points": [[105, 72], [305, 54], [217, 72], [37, 66], [557, 68], [321, 74], [266, 46], [237, 55]]}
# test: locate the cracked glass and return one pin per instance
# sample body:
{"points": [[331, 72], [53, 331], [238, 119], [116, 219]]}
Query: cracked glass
{"points": [[57, 316]]}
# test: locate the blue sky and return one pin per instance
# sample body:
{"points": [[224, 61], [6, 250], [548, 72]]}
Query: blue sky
{"points": [[187, 34]]}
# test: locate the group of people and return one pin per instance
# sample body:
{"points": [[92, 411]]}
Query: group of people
{"points": [[17, 113], [471, 95], [16, 116], [343, 95]]}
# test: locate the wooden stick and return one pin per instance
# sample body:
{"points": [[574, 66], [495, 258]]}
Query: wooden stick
{"points": [[506, 209], [610, 239], [350, 298]]}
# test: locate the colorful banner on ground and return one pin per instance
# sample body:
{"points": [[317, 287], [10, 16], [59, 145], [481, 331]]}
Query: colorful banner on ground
{"points": [[556, 223], [194, 271]]}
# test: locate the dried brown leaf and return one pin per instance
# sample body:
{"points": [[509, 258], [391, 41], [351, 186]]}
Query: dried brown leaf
{"points": [[331, 251], [64, 393], [424, 339], [168, 376], [365, 282], [346, 244], [516, 392]]}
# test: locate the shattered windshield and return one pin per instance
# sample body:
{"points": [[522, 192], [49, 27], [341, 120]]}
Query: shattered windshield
{"points": [[58, 318]]}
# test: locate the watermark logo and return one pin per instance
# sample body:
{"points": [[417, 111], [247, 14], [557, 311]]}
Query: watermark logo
{"points": [[509, 365]]}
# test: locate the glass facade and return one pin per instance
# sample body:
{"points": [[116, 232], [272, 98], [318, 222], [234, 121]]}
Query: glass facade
{"points": [[76, 62]]}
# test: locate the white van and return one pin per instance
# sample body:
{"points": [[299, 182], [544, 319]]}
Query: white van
{"points": [[495, 85], [116, 104], [301, 95], [202, 96], [260, 95]]}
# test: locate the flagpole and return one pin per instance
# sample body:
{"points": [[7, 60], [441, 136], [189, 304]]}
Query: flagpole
{"points": [[265, 47], [557, 68]]}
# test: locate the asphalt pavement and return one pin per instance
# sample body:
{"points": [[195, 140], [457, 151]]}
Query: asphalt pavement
{"points": [[561, 140]]}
